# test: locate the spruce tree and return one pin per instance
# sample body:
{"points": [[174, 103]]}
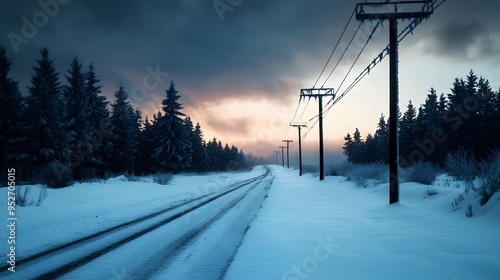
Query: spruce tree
{"points": [[78, 124], [348, 147], [382, 139], [100, 124], [124, 130], [144, 162], [456, 114], [172, 137], [487, 139], [11, 108], [407, 134], [45, 138], [370, 148], [200, 157], [215, 155], [358, 148], [432, 122]]}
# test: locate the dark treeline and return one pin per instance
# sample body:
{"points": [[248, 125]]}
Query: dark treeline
{"points": [[466, 119], [69, 131]]}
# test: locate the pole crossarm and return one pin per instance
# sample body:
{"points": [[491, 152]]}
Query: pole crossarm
{"points": [[394, 10], [298, 124], [317, 92]]}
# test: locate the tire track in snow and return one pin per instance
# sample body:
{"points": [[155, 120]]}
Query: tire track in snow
{"points": [[23, 264]]}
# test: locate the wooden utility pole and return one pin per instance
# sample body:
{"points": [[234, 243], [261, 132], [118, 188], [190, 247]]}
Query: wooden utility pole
{"points": [[282, 155], [319, 93], [299, 126], [287, 152], [421, 9], [276, 153]]}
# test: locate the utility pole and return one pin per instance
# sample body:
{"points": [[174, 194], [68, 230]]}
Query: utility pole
{"points": [[412, 9], [299, 126], [276, 153], [287, 152], [319, 93], [282, 155]]}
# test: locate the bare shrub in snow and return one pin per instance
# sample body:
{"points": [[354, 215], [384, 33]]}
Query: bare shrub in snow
{"points": [[163, 179], [431, 192], [457, 202], [362, 174], [423, 173], [340, 169], [469, 212], [42, 195], [23, 196], [490, 178], [461, 165]]}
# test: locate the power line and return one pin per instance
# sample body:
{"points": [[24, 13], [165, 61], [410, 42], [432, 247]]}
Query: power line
{"points": [[294, 115], [409, 29], [335, 48], [342, 56]]}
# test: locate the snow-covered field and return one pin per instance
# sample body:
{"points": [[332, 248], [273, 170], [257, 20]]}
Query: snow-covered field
{"points": [[306, 229]]}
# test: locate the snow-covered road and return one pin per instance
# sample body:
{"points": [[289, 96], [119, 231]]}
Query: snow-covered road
{"points": [[222, 226], [193, 238]]}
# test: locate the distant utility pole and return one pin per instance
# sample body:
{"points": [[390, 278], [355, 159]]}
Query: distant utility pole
{"points": [[276, 153], [319, 93], [299, 126], [282, 155], [389, 11], [287, 152]]}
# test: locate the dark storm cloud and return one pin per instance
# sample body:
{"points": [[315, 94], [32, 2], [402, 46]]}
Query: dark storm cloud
{"points": [[254, 49], [462, 30], [463, 40], [258, 50]]}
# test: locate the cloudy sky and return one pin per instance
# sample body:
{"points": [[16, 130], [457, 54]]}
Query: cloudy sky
{"points": [[240, 67]]}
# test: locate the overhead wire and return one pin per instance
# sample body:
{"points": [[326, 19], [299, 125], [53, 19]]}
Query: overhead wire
{"points": [[403, 34], [326, 65], [336, 45]]}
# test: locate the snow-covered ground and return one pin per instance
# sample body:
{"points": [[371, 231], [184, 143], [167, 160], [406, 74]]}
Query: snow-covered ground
{"points": [[306, 229]]}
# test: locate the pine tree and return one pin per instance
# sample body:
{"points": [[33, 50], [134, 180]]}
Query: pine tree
{"points": [[370, 149], [200, 156], [487, 128], [431, 122], [11, 108], [172, 137], [100, 124], [215, 154], [124, 129], [348, 147], [381, 137], [45, 137], [137, 136], [407, 133], [456, 114], [144, 162], [358, 148], [78, 126]]}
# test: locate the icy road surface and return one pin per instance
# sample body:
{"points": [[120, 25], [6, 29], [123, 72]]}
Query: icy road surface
{"points": [[222, 226]]}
